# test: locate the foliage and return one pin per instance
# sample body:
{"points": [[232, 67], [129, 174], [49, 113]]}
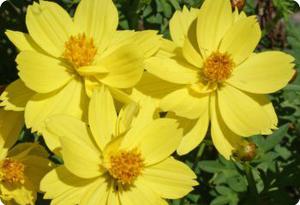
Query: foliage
{"points": [[273, 176]]}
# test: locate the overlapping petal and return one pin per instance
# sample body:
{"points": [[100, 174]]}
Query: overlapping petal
{"points": [[171, 178], [50, 26], [263, 73], [97, 19], [42, 73]]}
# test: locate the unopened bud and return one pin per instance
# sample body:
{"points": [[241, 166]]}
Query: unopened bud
{"points": [[245, 152], [239, 4]]}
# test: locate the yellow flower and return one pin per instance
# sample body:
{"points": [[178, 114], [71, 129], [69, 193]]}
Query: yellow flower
{"points": [[120, 160], [21, 166], [62, 59], [220, 80]]}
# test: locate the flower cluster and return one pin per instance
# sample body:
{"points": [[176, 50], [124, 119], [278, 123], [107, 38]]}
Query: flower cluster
{"points": [[96, 95]]}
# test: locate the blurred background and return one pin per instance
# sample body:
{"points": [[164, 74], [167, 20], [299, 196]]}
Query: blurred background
{"points": [[268, 170]]}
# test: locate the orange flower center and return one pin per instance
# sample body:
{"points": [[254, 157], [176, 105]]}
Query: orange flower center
{"points": [[217, 67], [12, 171], [80, 50], [126, 166]]}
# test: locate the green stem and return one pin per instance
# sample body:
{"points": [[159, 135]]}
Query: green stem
{"points": [[251, 183], [199, 154]]}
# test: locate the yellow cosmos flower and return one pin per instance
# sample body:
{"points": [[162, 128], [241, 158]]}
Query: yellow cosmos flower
{"points": [[220, 80], [62, 59], [120, 160], [22, 166]]}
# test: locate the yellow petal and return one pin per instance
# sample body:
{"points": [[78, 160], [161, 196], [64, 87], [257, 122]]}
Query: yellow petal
{"points": [[171, 179], [172, 70], [155, 146], [97, 193], [11, 124], [153, 86], [195, 136], [241, 39], [148, 41], [81, 156], [42, 73], [16, 96], [145, 115], [90, 83], [224, 140], [191, 54], [270, 111], [167, 48], [23, 41], [215, 18], [91, 70], [35, 168], [125, 66], [125, 118], [185, 103], [242, 113], [64, 187], [50, 26], [120, 95], [180, 23], [102, 116], [71, 100], [139, 194], [98, 19], [263, 73]]}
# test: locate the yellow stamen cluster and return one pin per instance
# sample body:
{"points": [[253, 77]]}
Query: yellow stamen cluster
{"points": [[217, 67], [126, 166], [12, 171], [80, 50]]}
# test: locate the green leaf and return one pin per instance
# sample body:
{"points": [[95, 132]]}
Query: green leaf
{"points": [[275, 138]]}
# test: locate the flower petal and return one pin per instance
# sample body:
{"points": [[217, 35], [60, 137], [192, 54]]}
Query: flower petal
{"points": [[150, 85], [172, 70], [42, 73], [16, 96], [171, 179], [263, 73], [64, 187], [80, 153], [11, 124], [125, 66], [102, 116], [50, 26], [97, 193], [70, 100], [139, 194], [191, 54], [185, 103], [180, 23], [98, 19], [242, 113], [224, 140], [155, 146], [195, 136], [148, 41], [241, 39], [215, 18], [23, 41]]}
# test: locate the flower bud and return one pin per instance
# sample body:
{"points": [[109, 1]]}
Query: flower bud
{"points": [[245, 152], [238, 4]]}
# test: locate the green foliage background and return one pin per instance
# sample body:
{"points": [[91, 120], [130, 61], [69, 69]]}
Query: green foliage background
{"points": [[273, 176]]}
